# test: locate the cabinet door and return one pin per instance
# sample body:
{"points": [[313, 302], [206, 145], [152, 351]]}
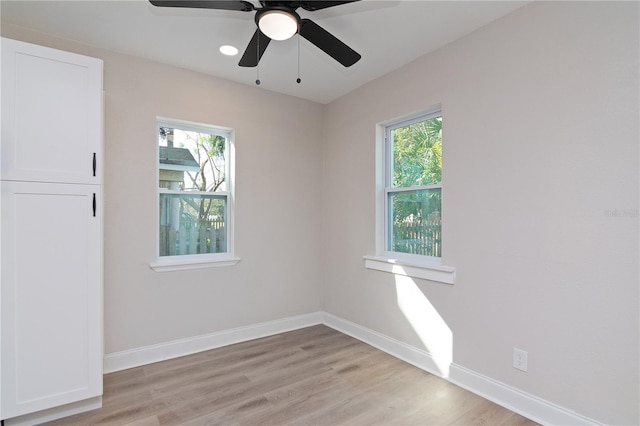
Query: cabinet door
{"points": [[51, 115], [51, 295]]}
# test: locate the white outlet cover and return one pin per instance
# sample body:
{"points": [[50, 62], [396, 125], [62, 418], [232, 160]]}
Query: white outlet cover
{"points": [[520, 359]]}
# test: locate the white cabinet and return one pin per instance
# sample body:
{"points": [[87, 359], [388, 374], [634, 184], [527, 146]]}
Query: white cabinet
{"points": [[51, 115], [51, 302], [51, 346]]}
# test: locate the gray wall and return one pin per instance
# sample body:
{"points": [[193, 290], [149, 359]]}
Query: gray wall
{"points": [[540, 148]]}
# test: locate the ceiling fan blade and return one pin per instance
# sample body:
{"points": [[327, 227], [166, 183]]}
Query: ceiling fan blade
{"points": [[317, 5], [328, 43], [242, 6], [251, 55]]}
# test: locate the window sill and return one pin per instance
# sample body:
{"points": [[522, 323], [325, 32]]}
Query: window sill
{"points": [[426, 271], [185, 263]]}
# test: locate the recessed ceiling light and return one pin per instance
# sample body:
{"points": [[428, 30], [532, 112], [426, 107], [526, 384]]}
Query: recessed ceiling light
{"points": [[228, 50]]}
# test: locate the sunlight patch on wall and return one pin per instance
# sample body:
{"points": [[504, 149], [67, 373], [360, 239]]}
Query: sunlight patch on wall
{"points": [[427, 323]]}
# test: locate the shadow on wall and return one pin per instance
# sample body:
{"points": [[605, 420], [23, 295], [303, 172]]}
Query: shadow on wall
{"points": [[426, 322]]}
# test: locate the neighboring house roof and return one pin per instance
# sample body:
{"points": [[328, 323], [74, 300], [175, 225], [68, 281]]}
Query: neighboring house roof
{"points": [[177, 159]]}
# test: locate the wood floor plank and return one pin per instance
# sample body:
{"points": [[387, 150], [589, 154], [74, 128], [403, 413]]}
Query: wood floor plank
{"points": [[147, 421], [314, 375]]}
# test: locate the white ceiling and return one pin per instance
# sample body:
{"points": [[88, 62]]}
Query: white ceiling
{"points": [[388, 34]]}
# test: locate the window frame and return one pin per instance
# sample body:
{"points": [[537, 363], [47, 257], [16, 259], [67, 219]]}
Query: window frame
{"points": [[389, 188], [203, 260], [413, 265]]}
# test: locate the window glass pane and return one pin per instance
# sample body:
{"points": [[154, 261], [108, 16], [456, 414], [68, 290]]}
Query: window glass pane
{"points": [[415, 222], [192, 160], [417, 153], [192, 224]]}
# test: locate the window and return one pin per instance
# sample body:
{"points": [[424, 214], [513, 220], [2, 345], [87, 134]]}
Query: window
{"points": [[194, 195], [413, 186], [409, 212]]}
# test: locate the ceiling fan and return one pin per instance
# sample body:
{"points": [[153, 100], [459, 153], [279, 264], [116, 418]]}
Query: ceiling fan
{"points": [[278, 20]]}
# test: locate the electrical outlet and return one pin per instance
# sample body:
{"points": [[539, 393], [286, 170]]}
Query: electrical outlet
{"points": [[520, 359]]}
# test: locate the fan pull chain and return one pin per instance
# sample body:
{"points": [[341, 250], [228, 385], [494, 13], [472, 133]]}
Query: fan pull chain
{"points": [[298, 79], [258, 60]]}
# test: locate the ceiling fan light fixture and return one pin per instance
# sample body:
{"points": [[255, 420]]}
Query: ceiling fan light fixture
{"points": [[278, 24]]}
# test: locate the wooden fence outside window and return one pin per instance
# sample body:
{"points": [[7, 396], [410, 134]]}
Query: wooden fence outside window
{"points": [[193, 237], [421, 236]]}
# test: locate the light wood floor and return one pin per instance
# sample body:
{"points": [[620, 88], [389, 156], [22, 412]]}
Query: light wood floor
{"points": [[310, 376]]}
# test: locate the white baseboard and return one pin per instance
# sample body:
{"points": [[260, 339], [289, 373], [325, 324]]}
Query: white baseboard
{"points": [[527, 405], [149, 354], [414, 356], [530, 406], [55, 412]]}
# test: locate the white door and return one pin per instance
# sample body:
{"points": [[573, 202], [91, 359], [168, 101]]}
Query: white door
{"points": [[51, 115], [51, 305]]}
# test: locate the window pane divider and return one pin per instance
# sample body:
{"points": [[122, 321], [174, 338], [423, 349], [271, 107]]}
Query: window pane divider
{"points": [[413, 188], [219, 194]]}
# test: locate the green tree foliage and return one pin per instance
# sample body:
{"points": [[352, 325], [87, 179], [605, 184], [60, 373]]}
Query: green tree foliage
{"points": [[417, 154], [417, 161]]}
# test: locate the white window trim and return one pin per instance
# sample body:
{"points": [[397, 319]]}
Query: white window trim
{"points": [[415, 266], [208, 260], [189, 262], [431, 272]]}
